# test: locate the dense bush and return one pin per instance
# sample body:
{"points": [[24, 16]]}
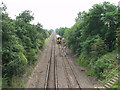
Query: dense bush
{"points": [[93, 37], [21, 42]]}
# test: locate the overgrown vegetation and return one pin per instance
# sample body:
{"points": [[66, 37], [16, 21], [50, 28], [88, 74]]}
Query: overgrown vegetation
{"points": [[21, 41], [93, 39]]}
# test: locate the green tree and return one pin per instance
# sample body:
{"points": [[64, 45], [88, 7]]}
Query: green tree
{"points": [[94, 35], [60, 31], [25, 16], [21, 42]]}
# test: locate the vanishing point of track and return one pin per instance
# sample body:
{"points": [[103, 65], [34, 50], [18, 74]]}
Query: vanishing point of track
{"points": [[51, 80], [54, 69]]}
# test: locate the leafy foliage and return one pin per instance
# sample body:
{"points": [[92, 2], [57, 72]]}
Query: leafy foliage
{"points": [[21, 42], [60, 31], [93, 38], [25, 16]]}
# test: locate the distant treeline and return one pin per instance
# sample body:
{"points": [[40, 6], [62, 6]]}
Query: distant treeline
{"points": [[93, 38]]}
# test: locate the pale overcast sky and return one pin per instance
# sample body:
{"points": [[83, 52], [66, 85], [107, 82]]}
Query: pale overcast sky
{"points": [[52, 14]]}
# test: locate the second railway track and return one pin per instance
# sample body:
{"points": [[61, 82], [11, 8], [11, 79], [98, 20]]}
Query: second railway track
{"points": [[70, 74]]}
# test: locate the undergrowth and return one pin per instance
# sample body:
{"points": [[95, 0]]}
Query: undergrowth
{"points": [[104, 68], [20, 81]]}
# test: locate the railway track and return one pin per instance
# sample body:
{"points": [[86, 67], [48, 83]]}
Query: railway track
{"points": [[70, 74], [55, 69], [50, 80]]}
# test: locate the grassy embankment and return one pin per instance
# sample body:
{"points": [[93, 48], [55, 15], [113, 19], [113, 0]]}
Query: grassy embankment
{"points": [[107, 63]]}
